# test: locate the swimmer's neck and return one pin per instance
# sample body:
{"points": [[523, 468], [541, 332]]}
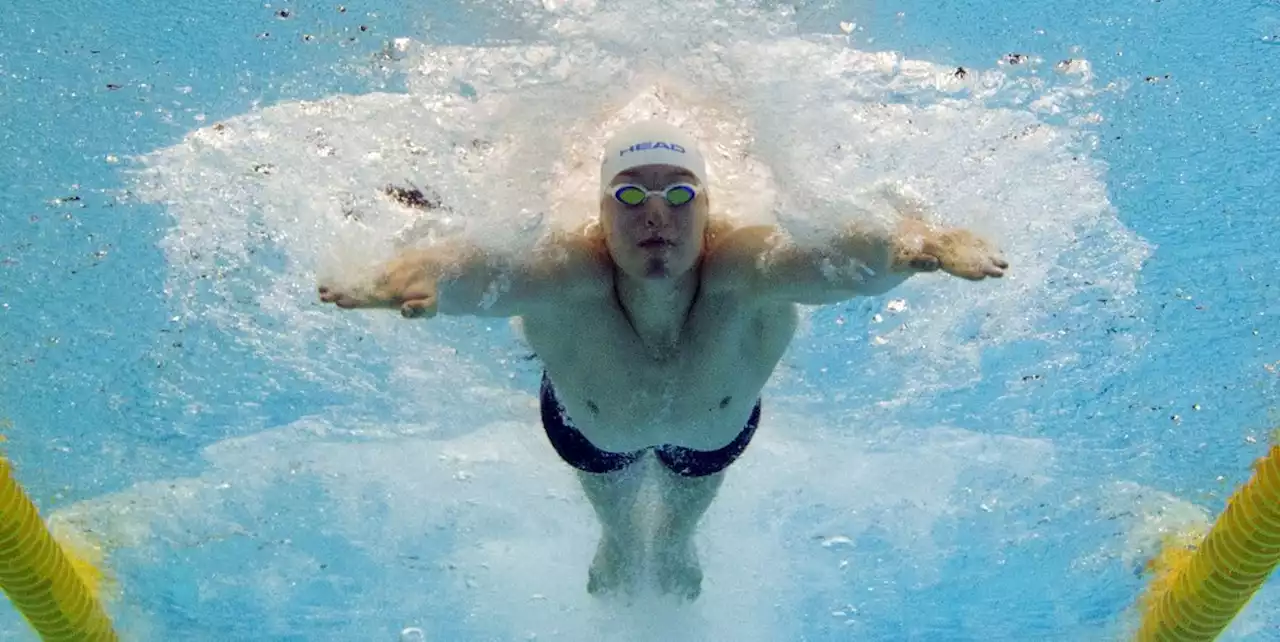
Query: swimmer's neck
{"points": [[657, 308]]}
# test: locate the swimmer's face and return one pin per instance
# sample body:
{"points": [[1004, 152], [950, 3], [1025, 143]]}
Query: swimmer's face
{"points": [[655, 240]]}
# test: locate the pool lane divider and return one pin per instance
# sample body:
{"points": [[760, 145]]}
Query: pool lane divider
{"points": [[1199, 587], [53, 585]]}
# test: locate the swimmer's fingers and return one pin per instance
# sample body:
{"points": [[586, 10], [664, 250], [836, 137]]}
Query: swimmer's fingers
{"points": [[406, 283], [961, 253], [416, 305], [974, 267], [348, 300], [995, 266]]}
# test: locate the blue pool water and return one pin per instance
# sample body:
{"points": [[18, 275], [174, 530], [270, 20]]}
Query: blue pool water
{"points": [[948, 462]]}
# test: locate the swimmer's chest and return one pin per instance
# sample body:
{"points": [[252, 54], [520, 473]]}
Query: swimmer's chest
{"points": [[698, 394]]}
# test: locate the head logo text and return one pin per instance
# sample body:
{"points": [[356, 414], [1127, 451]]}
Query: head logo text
{"points": [[652, 145]]}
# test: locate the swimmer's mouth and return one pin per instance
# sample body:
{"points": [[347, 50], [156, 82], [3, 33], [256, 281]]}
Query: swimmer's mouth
{"points": [[653, 243]]}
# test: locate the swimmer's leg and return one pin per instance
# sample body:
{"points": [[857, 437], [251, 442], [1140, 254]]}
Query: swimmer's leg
{"points": [[684, 500], [621, 548], [689, 480]]}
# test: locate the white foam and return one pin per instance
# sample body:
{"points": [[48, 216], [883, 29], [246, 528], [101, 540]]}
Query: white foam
{"points": [[521, 536]]}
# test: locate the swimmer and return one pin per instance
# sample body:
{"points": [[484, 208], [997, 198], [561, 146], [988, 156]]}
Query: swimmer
{"points": [[657, 330]]}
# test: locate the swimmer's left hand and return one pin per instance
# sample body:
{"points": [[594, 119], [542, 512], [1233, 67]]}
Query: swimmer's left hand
{"points": [[958, 253]]}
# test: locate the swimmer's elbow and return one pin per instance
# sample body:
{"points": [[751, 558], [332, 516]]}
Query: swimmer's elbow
{"points": [[881, 283], [472, 282], [479, 293], [829, 292], [497, 285], [858, 263]]}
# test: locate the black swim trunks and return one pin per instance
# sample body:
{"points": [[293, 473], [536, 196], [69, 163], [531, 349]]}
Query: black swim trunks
{"points": [[574, 449]]}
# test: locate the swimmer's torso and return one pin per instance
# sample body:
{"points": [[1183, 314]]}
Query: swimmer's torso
{"points": [[622, 398]]}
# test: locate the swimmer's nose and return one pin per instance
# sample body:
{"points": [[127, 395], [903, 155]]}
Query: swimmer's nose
{"points": [[656, 216]]}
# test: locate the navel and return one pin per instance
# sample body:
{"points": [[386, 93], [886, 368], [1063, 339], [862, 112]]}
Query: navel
{"points": [[724, 403], [591, 405]]}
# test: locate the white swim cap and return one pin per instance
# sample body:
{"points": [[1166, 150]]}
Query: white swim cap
{"points": [[651, 142]]}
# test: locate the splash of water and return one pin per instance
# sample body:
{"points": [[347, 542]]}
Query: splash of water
{"points": [[504, 142]]}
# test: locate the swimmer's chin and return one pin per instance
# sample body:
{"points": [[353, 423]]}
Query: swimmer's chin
{"points": [[654, 267], [657, 269]]}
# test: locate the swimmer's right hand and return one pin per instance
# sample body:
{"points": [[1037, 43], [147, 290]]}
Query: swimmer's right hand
{"points": [[407, 282]]}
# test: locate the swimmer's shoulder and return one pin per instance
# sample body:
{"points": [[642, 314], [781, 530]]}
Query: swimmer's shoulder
{"points": [[733, 256], [575, 262]]}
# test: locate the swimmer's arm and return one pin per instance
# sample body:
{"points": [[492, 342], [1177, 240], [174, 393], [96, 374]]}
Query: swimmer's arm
{"points": [[457, 278], [863, 259], [561, 271]]}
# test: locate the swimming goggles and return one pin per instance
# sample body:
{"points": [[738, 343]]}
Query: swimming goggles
{"points": [[677, 194]]}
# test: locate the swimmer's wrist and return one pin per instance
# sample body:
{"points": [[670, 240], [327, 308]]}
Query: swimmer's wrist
{"points": [[909, 242]]}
